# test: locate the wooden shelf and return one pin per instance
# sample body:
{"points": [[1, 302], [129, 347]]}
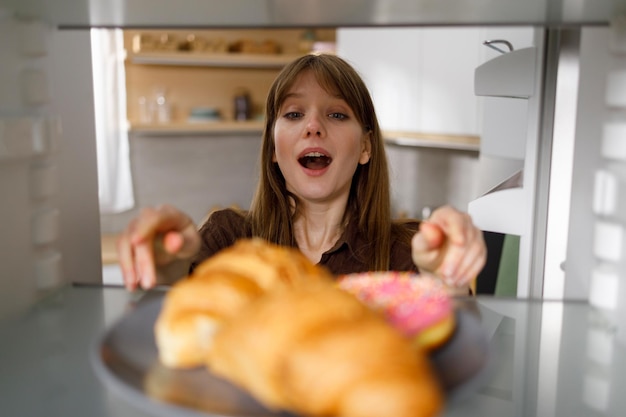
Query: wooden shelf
{"points": [[432, 140], [411, 139], [210, 128], [238, 60], [109, 249]]}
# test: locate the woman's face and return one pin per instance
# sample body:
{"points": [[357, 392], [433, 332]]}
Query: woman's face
{"points": [[318, 142]]}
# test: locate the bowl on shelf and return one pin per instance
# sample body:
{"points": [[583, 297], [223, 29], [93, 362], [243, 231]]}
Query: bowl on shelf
{"points": [[204, 114]]}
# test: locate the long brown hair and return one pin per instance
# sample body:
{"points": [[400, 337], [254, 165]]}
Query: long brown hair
{"points": [[271, 213]]}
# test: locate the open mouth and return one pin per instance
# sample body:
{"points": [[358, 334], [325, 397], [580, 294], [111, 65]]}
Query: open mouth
{"points": [[315, 160]]}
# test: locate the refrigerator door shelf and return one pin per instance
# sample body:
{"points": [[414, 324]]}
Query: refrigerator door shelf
{"points": [[508, 75], [503, 208]]}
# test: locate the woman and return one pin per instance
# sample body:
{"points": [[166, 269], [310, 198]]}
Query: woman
{"points": [[323, 188]]}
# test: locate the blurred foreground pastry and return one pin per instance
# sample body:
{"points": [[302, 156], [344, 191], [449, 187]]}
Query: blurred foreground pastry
{"points": [[266, 319], [316, 350], [419, 306], [219, 287]]}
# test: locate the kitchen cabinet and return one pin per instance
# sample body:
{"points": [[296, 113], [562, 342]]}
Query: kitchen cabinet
{"points": [[420, 78]]}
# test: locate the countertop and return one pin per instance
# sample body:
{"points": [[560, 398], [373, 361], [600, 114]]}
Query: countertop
{"points": [[550, 358]]}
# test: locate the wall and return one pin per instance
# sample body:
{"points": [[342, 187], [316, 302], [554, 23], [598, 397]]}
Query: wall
{"points": [[199, 173], [426, 178], [193, 173]]}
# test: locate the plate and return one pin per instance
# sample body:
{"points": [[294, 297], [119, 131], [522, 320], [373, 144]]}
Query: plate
{"points": [[125, 358]]}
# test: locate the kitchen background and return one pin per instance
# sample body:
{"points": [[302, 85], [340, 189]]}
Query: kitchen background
{"points": [[421, 78], [186, 145], [555, 109]]}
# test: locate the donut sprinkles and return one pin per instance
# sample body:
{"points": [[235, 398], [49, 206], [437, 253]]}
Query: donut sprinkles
{"points": [[410, 302]]}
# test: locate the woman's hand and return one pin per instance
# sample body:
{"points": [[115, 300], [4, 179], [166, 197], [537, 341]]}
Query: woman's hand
{"points": [[157, 237], [450, 246]]}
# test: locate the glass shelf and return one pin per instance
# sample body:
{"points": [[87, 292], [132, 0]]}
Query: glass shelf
{"points": [[328, 13]]}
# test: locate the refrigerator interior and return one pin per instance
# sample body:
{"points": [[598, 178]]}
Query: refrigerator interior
{"points": [[50, 227]]}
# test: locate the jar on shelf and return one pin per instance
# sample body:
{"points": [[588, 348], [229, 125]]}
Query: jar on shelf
{"points": [[162, 105], [146, 110], [243, 105]]}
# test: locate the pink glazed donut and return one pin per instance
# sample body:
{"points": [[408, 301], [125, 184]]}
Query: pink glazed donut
{"points": [[417, 305]]}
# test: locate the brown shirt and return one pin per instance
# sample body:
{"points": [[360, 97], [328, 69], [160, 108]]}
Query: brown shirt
{"points": [[349, 255]]}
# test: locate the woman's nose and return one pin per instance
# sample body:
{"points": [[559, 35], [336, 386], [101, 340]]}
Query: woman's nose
{"points": [[314, 126]]}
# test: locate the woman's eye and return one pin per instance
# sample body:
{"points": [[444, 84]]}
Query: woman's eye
{"points": [[338, 116], [293, 115]]}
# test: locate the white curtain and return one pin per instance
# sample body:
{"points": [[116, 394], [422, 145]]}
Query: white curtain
{"points": [[114, 175]]}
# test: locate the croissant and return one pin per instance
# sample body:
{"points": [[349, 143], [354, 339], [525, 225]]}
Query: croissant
{"points": [[268, 320], [192, 312], [315, 350], [266, 264], [219, 288]]}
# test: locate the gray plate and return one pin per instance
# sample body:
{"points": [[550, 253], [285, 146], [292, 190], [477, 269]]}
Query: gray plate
{"points": [[126, 359]]}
